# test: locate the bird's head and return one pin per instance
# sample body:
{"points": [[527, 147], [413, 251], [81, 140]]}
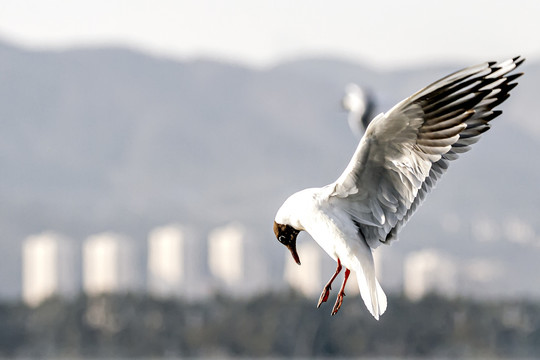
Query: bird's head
{"points": [[286, 235], [354, 99], [288, 224]]}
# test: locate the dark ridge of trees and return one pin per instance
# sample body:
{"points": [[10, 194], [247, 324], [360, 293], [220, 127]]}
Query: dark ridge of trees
{"points": [[270, 325]]}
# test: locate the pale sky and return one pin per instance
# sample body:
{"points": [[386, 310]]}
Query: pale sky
{"points": [[381, 33]]}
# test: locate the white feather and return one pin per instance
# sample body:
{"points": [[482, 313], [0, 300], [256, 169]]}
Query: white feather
{"points": [[398, 160]]}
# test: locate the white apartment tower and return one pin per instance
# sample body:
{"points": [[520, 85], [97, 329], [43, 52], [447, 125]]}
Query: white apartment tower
{"points": [[50, 268], [316, 269], [429, 271], [307, 278], [236, 261], [109, 264], [176, 266]]}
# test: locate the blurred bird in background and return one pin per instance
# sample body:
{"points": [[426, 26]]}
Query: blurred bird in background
{"points": [[360, 105]]}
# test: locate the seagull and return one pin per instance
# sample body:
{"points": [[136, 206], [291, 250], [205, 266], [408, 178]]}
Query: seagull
{"points": [[397, 162], [360, 105]]}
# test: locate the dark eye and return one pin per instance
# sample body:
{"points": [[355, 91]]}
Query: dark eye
{"points": [[282, 239]]}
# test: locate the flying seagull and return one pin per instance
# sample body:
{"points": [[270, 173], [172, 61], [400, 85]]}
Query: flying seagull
{"points": [[360, 105], [397, 162]]}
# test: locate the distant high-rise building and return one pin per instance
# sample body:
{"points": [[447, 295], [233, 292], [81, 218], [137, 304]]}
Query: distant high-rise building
{"points": [[50, 268], [226, 254], [109, 264], [389, 268], [429, 271], [316, 269], [176, 265], [308, 277], [236, 261], [166, 261], [478, 276], [519, 231], [484, 229]]}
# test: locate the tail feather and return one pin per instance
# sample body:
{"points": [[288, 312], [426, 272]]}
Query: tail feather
{"points": [[370, 289]]}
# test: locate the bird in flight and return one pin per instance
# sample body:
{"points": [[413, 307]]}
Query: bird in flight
{"points": [[359, 103], [397, 162]]}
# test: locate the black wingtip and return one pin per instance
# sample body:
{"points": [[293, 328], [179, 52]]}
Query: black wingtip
{"points": [[513, 77], [511, 86], [500, 100], [492, 116], [518, 60]]}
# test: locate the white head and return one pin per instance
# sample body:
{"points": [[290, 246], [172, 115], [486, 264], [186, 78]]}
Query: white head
{"points": [[354, 99], [286, 223]]}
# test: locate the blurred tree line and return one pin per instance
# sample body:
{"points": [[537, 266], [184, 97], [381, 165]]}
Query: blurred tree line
{"points": [[270, 325]]}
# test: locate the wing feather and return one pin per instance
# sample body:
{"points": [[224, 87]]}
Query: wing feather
{"points": [[405, 151]]}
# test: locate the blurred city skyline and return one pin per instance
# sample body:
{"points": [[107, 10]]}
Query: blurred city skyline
{"points": [[180, 262], [145, 147], [112, 140], [382, 34]]}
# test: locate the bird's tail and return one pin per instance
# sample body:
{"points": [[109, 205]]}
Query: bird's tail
{"points": [[370, 289]]}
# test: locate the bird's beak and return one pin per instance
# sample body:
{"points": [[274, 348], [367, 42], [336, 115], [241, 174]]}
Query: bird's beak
{"points": [[294, 253]]}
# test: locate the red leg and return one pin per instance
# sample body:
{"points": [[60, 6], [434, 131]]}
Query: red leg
{"points": [[341, 293], [326, 290]]}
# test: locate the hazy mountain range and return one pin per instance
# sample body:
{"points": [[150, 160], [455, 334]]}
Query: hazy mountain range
{"points": [[110, 139]]}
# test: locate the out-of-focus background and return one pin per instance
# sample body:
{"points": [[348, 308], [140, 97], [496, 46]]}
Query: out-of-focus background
{"points": [[146, 145]]}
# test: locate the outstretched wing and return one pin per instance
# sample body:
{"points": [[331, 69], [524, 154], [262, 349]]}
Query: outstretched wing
{"points": [[405, 151]]}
